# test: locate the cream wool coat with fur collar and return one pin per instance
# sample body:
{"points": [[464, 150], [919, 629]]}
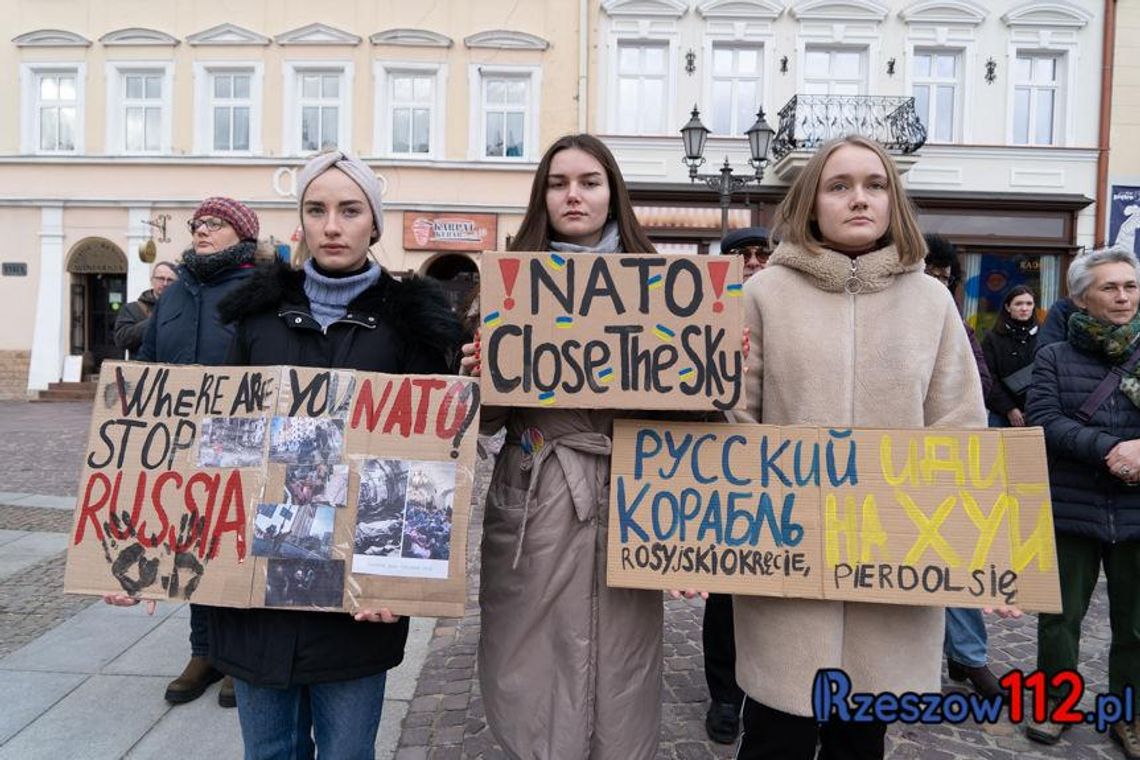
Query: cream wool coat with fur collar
{"points": [[877, 345]]}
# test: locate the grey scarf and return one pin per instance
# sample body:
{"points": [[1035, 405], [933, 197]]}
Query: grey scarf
{"points": [[610, 243]]}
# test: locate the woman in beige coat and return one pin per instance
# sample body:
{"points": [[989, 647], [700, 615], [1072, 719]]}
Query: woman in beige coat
{"points": [[569, 668], [847, 331]]}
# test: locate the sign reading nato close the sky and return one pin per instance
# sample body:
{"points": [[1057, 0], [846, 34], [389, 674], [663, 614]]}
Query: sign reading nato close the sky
{"points": [[615, 331]]}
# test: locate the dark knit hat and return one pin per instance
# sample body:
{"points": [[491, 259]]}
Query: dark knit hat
{"points": [[240, 216]]}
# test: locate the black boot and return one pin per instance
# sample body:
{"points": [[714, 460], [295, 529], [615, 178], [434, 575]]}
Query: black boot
{"points": [[723, 722]]}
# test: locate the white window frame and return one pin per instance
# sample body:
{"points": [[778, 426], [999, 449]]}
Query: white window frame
{"points": [[864, 52], [1061, 99], [959, 87], [477, 134], [30, 74], [116, 138], [383, 71], [763, 54], [204, 72], [291, 101], [668, 81], [666, 37]]}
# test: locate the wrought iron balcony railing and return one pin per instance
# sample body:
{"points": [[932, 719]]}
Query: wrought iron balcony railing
{"points": [[808, 121]]}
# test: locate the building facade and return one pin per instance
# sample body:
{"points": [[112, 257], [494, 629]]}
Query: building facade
{"points": [[119, 118], [1007, 91]]}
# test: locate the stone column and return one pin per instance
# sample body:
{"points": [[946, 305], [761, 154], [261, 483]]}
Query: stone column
{"points": [[49, 338]]}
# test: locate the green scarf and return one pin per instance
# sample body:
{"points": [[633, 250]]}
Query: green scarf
{"points": [[1114, 342]]}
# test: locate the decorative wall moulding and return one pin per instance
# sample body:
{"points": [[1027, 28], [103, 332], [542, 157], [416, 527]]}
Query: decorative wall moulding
{"points": [[643, 8], [227, 34], [739, 9], [505, 39], [317, 34], [51, 38], [1053, 14], [840, 10], [411, 38], [944, 12], [138, 36]]}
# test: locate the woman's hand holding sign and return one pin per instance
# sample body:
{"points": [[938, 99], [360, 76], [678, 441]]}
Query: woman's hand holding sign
{"points": [[469, 362]]}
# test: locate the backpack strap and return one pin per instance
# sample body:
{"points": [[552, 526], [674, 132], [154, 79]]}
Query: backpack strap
{"points": [[1106, 387]]}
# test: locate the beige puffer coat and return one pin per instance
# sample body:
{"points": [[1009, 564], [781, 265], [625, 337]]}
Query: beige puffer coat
{"points": [[869, 343]]}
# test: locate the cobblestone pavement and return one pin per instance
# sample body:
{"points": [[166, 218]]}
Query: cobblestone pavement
{"points": [[446, 720], [41, 446]]}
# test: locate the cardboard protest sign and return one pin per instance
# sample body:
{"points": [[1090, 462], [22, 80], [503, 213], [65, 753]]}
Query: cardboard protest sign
{"points": [[277, 487], [959, 518], [614, 331]]}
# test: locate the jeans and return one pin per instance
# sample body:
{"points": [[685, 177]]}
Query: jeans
{"points": [[1079, 560], [199, 642], [281, 724], [966, 639], [770, 734]]}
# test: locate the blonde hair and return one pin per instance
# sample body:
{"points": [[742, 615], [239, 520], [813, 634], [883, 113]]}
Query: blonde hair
{"points": [[795, 216]]}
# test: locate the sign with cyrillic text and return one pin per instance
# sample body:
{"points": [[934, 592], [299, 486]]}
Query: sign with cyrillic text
{"points": [[959, 518], [614, 331], [288, 487]]}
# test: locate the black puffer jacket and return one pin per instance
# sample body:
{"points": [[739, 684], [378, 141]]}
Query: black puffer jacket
{"points": [[1088, 500], [399, 327], [1007, 349]]}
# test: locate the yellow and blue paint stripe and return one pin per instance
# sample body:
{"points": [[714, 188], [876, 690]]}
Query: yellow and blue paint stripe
{"points": [[664, 333]]}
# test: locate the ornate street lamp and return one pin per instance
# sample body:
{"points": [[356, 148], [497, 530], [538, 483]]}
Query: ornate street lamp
{"points": [[693, 136]]}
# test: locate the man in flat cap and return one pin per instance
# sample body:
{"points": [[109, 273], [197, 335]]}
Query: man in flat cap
{"points": [[750, 243], [722, 722]]}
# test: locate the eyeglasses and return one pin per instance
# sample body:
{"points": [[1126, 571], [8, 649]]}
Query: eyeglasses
{"points": [[209, 222], [757, 252]]}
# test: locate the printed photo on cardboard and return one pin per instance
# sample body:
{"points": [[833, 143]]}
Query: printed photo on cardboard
{"points": [[316, 484], [232, 442], [404, 518], [305, 440], [293, 531], [304, 583]]}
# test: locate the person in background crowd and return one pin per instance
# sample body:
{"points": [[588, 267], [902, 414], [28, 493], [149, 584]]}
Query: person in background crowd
{"points": [[722, 721], [1056, 326], [943, 264], [569, 667], [185, 328], [1009, 349], [888, 351], [133, 319], [751, 245], [967, 642], [314, 681], [1086, 395]]}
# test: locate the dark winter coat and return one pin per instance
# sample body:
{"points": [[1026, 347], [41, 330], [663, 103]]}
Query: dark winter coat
{"points": [[1088, 500], [980, 359], [1056, 327], [394, 326], [1006, 352], [131, 324], [185, 327]]}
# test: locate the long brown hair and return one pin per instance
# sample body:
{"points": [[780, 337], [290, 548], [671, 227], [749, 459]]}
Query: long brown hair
{"points": [[795, 216], [534, 232]]}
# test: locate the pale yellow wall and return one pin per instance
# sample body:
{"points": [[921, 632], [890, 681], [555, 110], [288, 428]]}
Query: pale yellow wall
{"points": [[18, 294], [554, 20], [1124, 160]]}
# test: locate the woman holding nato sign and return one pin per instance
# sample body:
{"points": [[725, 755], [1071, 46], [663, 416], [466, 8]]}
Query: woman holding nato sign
{"points": [[568, 666], [887, 350]]}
